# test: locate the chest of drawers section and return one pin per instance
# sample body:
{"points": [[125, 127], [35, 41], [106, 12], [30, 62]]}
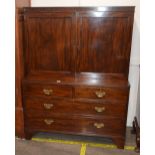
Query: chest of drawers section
{"points": [[82, 110]]}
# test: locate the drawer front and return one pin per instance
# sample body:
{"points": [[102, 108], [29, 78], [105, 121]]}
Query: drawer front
{"points": [[44, 107], [103, 108], [40, 107], [47, 90], [120, 94], [77, 125]]}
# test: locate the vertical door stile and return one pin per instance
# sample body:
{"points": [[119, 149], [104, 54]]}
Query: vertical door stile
{"points": [[74, 43], [78, 39]]}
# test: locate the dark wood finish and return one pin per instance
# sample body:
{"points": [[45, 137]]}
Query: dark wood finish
{"points": [[54, 45], [63, 123], [101, 79], [78, 79], [119, 141], [129, 9], [76, 63], [38, 90], [110, 93], [19, 120], [105, 37], [39, 107]]}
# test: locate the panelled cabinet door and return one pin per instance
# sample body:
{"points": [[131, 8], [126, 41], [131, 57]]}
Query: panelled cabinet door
{"points": [[49, 42], [104, 40]]}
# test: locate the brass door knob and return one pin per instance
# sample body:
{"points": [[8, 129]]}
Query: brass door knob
{"points": [[47, 92], [100, 93], [48, 121], [48, 106], [99, 109], [99, 125]]}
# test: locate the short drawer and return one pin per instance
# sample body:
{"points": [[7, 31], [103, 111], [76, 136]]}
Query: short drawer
{"points": [[47, 90], [103, 108], [120, 94], [79, 125], [40, 107]]}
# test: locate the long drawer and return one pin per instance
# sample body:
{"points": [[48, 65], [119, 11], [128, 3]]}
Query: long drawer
{"points": [[40, 107], [78, 125], [120, 94], [47, 90]]}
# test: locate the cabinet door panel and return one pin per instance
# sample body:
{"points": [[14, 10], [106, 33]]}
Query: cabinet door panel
{"points": [[49, 42], [104, 40]]}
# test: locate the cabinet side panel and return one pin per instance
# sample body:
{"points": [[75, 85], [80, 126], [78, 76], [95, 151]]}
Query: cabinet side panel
{"points": [[19, 121]]}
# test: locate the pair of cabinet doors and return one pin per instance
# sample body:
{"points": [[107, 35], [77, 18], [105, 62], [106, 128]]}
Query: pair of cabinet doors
{"points": [[70, 40]]}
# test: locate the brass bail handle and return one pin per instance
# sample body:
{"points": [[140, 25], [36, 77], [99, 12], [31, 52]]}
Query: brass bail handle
{"points": [[48, 106], [99, 125], [100, 93], [48, 121], [47, 92], [99, 109]]}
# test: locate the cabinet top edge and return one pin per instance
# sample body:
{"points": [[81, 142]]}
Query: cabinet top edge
{"points": [[103, 8]]}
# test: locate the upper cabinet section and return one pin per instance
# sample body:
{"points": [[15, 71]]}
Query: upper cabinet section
{"points": [[81, 39], [49, 40], [104, 41]]}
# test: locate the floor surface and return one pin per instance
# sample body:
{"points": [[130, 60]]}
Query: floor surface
{"points": [[24, 147]]}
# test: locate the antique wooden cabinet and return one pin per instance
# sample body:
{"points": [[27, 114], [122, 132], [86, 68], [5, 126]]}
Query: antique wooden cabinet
{"points": [[75, 70]]}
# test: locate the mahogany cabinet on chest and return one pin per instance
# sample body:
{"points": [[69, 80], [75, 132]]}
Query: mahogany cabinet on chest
{"points": [[75, 70]]}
